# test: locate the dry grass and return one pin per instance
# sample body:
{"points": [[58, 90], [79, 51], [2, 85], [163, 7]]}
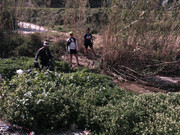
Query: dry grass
{"points": [[141, 36]]}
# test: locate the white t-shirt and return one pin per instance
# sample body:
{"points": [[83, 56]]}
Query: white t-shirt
{"points": [[73, 44]]}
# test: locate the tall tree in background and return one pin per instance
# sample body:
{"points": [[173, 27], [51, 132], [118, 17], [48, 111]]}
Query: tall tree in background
{"points": [[7, 15], [7, 26]]}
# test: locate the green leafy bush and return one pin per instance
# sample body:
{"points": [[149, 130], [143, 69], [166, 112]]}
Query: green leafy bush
{"points": [[8, 43], [51, 100], [29, 45], [58, 48], [9, 66], [18, 45], [140, 114]]}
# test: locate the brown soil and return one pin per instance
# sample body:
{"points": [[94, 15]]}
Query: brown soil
{"points": [[138, 88]]}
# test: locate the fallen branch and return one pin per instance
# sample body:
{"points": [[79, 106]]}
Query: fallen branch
{"points": [[130, 76], [162, 64], [131, 70]]}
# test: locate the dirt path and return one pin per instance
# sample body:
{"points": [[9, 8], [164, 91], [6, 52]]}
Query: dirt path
{"points": [[138, 88], [29, 28]]}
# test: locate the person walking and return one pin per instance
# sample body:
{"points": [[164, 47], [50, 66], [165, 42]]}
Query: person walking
{"points": [[44, 55], [88, 42], [72, 47]]}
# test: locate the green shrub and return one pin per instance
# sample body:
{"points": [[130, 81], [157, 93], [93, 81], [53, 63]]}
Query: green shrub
{"points": [[23, 50], [18, 45], [58, 48], [140, 114], [60, 66], [9, 66], [52, 100], [29, 46], [8, 43]]}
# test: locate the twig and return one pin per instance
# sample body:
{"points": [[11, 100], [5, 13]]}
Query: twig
{"points": [[129, 25], [162, 64], [132, 70], [130, 76]]}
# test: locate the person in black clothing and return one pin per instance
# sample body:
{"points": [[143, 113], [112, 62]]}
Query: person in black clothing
{"points": [[44, 55], [88, 41]]}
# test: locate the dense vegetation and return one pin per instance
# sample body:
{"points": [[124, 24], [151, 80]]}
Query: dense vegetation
{"points": [[18, 45], [53, 100], [142, 37], [8, 67]]}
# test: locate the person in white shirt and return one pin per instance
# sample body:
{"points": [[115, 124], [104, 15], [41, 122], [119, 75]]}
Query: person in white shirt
{"points": [[72, 48]]}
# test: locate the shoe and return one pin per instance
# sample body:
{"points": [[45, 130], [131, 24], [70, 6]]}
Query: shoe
{"points": [[78, 64]]}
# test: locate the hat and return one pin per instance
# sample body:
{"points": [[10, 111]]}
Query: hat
{"points": [[46, 43], [70, 33]]}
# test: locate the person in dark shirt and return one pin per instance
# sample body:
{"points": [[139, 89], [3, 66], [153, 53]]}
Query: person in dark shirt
{"points": [[88, 41], [44, 55]]}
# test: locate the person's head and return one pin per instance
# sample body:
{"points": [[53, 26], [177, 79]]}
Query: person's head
{"points": [[46, 44], [88, 30], [71, 34]]}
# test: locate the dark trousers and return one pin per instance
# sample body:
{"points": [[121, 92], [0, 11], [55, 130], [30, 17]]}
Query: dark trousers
{"points": [[44, 64]]}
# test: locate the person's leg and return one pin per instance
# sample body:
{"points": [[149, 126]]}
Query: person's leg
{"points": [[77, 61], [47, 65], [70, 59], [93, 51], [85, 50]]}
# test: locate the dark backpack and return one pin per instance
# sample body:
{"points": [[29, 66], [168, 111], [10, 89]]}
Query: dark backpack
{"points": [[70, 41]]}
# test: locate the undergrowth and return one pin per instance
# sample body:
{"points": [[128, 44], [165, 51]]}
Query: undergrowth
{"points": [[9, 66], [141, 37], [54, 100]]}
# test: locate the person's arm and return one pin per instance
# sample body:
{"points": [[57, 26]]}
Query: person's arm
{"points": [[77, 47], [92, 41], [37, 55], [84, 38], [67, 44]]}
